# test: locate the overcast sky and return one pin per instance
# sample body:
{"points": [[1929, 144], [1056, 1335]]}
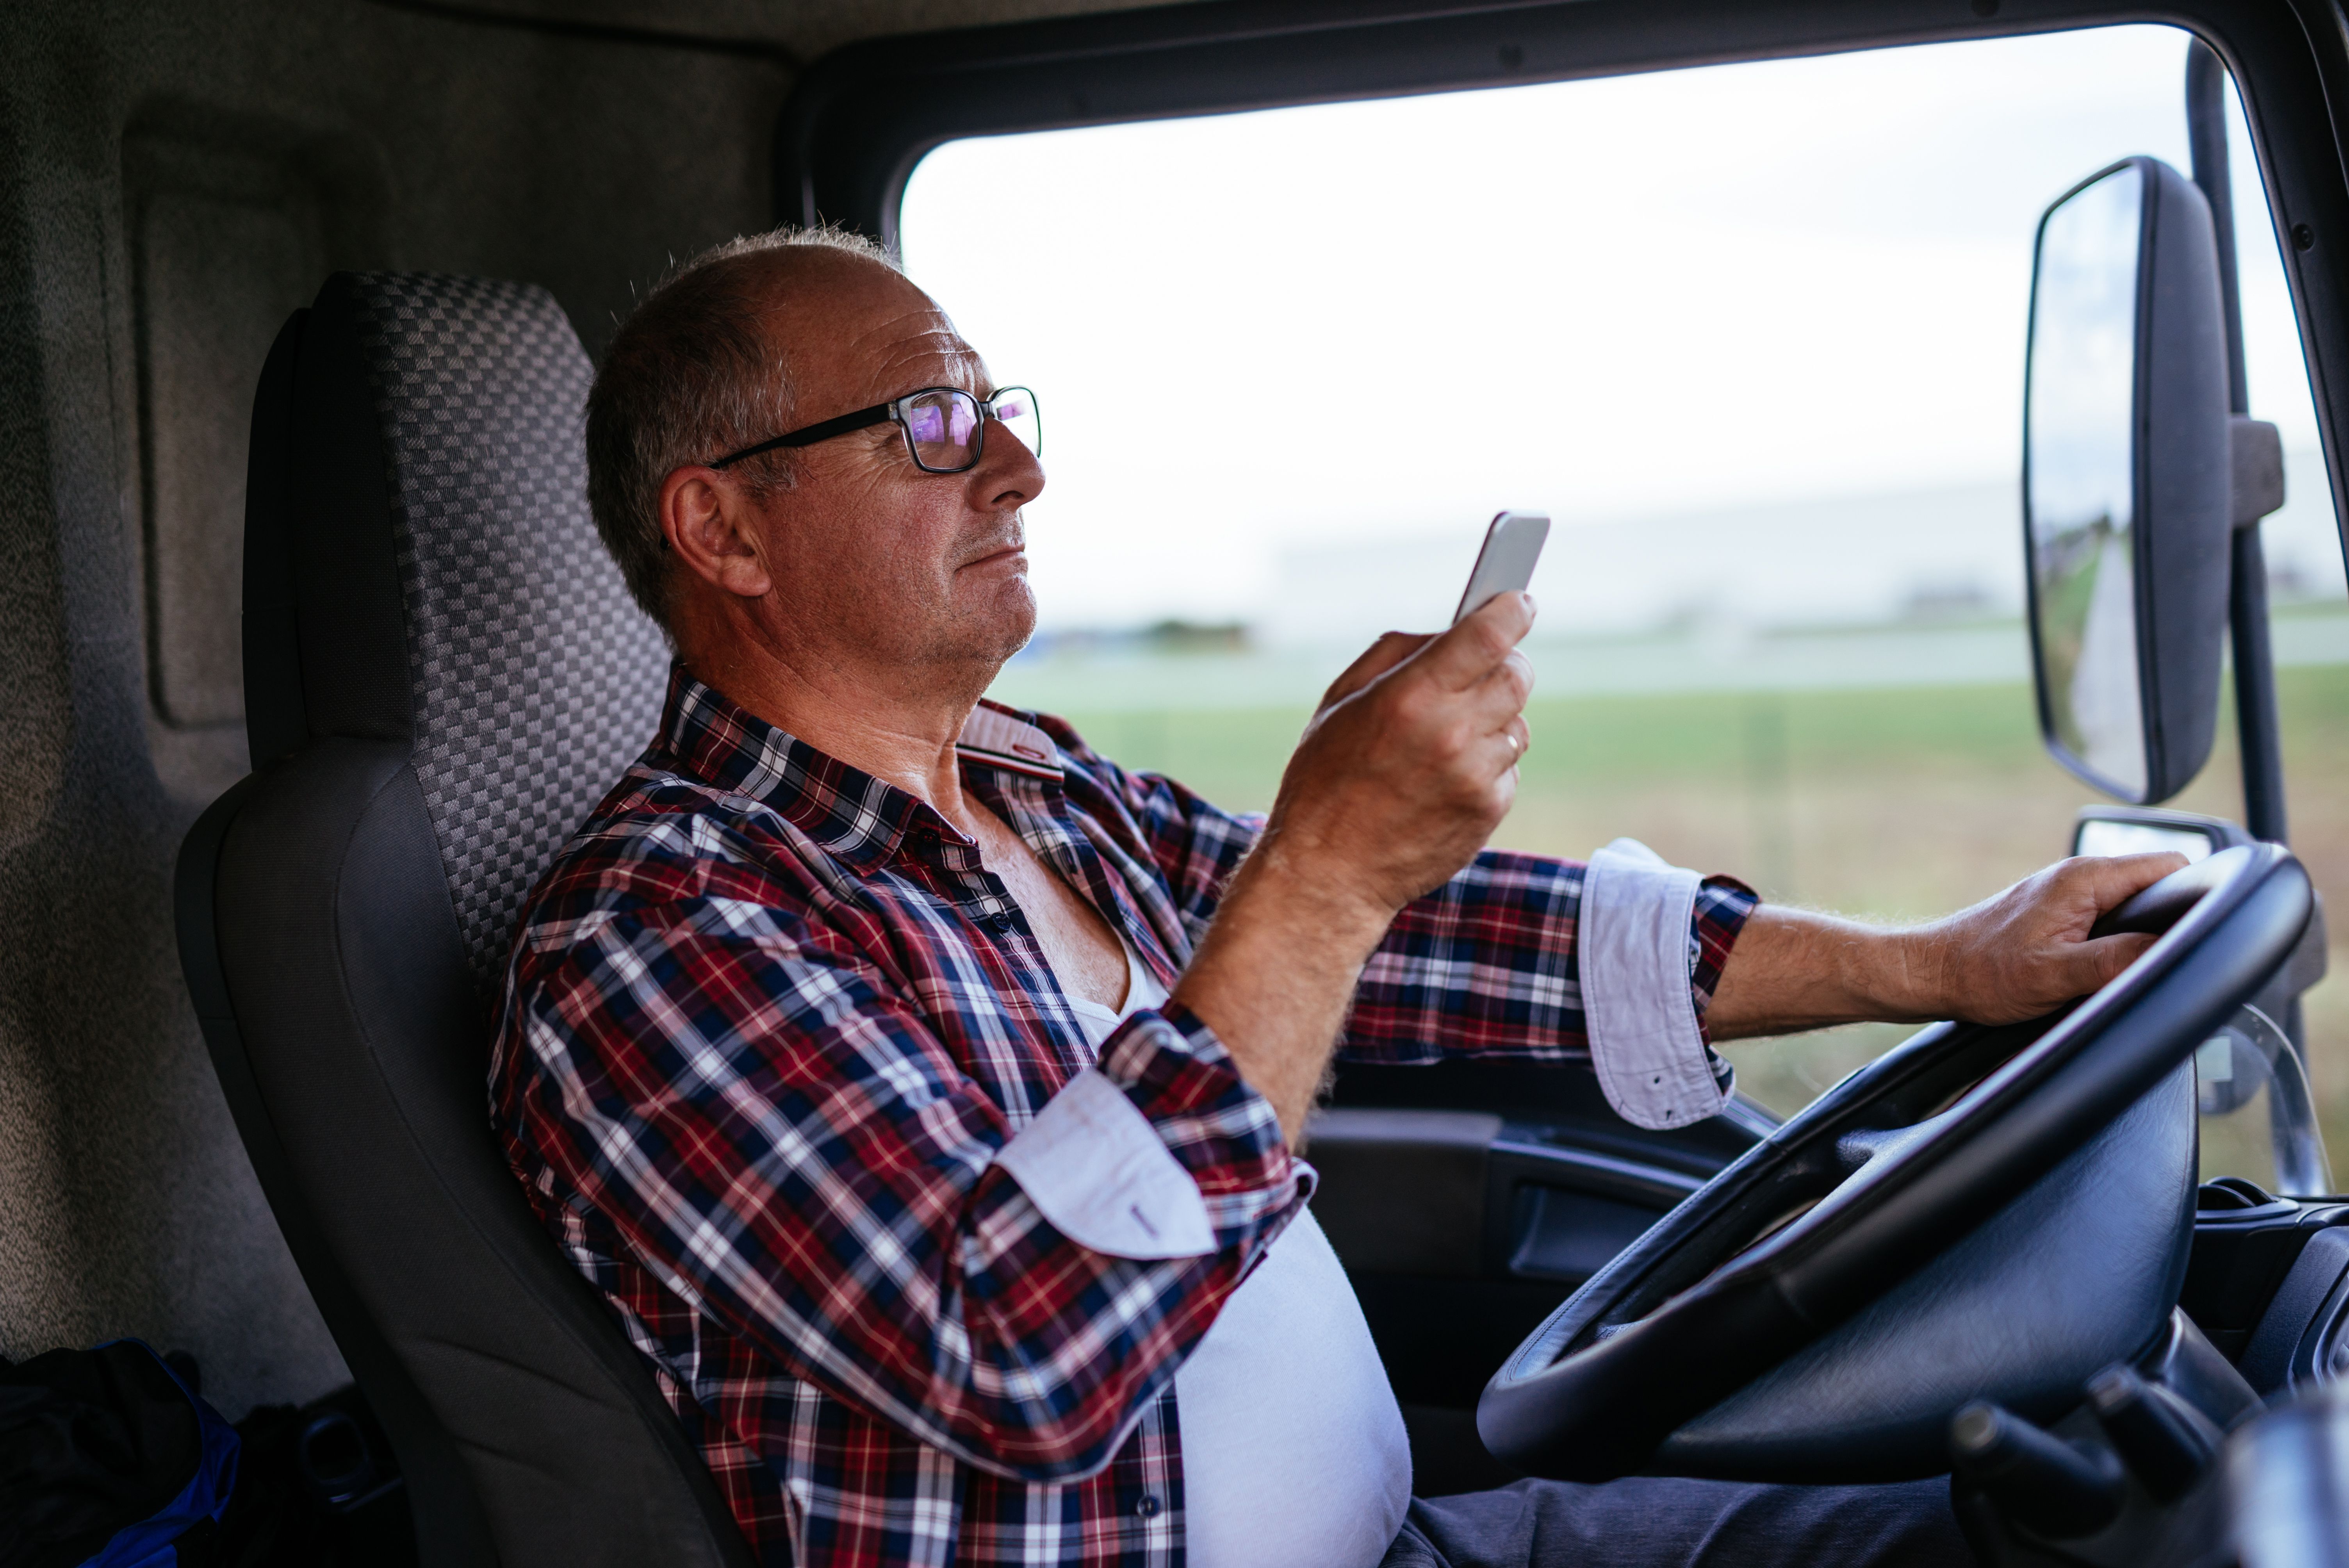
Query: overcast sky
{"points": [[1261, 333]]}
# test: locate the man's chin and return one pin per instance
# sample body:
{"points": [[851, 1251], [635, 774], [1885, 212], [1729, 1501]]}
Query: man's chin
{"points": [[1018, 625], [989, 631]]}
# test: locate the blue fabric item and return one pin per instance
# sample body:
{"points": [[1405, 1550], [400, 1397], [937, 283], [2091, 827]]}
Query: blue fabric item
{"points": [[150, 1543]]}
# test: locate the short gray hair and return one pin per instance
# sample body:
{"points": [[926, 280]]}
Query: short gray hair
{"points": [[690, 376]]}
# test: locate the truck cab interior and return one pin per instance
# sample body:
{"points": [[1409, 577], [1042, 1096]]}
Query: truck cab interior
{"points": [[315, 660]]}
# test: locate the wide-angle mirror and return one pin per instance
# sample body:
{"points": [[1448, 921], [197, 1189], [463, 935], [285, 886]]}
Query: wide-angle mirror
{"points": [[2125, 479], [2257, 1118], [2101, 830]]}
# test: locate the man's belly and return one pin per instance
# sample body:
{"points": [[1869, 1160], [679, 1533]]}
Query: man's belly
{"points": [[1293, 1449]]}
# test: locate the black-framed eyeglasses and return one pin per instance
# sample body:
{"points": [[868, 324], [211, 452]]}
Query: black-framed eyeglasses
{"points": [[944, 427]]}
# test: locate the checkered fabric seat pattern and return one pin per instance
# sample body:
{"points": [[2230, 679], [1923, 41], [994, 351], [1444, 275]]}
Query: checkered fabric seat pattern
{"points": [[536, 679]]}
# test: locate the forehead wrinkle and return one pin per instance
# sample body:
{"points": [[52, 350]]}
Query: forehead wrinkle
{"points": [[952, 350], [883, 348], [915, 336], [913, 322]]}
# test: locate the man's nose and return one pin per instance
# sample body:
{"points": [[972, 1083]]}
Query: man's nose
{"points": [[1008, 475]]}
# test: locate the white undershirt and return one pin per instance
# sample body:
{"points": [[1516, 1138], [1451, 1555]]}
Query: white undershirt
{"points": [[1293, 1448], [1294, 1454]]}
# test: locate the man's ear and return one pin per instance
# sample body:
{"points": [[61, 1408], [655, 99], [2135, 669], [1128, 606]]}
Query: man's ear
{"points": [[712, 527]]}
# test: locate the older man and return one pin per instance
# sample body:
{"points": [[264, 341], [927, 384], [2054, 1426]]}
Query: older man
{"points": [[920, 1088]]}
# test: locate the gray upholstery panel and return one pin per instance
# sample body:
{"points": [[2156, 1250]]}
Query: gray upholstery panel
{"points": [[535, 678], [339, 940]]}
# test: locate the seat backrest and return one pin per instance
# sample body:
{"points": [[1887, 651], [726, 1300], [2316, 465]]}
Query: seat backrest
{"points": [[443, 675]]}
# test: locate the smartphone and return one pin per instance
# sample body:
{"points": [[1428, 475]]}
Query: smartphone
{"points": [[1505, 565]]}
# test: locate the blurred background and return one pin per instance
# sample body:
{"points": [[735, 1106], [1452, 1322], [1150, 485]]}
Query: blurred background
{"points": [[1751, 334]]}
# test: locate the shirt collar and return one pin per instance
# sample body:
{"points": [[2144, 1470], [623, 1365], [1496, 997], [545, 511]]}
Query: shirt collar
{"points": [[848, 812], [998, 737]]}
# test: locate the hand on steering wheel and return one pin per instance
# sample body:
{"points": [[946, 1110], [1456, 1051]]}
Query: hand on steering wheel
{"points": [[2014, 956]]}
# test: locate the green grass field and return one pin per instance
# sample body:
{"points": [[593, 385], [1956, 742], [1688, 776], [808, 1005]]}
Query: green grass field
{"points": [[1894, 804]]}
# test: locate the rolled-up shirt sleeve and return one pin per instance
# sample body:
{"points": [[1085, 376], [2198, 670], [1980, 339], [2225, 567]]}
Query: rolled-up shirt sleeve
{"points": [[1097, 1167], [1643, 937], [788, 1146], [1511, 957], [1116, 1160]]}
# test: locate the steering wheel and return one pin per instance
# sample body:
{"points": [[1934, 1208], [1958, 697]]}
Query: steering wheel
{"points": [[1983, 1212]]}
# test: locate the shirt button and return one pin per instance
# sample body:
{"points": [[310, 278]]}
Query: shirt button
{"points": [[1149, 1505]]}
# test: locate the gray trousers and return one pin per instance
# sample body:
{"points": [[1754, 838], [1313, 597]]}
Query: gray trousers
{"points": [[1660, 1522]]}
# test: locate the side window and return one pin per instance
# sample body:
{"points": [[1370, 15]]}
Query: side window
{"points": [[1752, 334]]}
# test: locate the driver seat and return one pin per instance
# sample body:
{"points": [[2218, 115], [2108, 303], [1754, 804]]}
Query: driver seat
{"points": [[443, 675]]}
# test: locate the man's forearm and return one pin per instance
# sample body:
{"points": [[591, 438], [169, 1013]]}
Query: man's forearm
{"points": [[1793, 969], [2017, 954], [1276, 973], [1402, 775]]}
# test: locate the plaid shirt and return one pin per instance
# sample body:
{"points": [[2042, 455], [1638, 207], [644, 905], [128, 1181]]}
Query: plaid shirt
{"points": [[767, 1021]]}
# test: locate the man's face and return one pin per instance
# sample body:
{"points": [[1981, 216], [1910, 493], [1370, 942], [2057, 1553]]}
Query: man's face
{"points": [[867, 552]]}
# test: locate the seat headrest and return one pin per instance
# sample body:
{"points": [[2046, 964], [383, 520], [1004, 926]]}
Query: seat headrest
{"points": [[447, 587]]}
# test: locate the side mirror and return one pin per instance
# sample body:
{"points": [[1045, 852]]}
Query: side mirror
{"points": [[2128, 479]]}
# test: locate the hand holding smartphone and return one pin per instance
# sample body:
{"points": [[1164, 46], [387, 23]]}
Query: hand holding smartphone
{"points": [[1505, 565]]}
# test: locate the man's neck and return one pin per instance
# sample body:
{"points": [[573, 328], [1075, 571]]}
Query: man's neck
{"points": [[874, 720]]}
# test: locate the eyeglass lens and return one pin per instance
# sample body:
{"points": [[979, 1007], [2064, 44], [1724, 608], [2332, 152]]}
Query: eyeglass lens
{"points": [[943, 426]]}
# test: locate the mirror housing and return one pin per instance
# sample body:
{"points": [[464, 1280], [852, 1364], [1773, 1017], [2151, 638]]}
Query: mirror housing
{"points": [[2129, 480]]}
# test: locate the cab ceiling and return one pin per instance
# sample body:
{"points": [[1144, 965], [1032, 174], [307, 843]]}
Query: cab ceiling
{"points": [[798, 30]]}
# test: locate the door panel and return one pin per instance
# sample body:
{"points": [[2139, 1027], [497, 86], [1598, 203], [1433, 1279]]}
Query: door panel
{"points": [[1467, 1199]]}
